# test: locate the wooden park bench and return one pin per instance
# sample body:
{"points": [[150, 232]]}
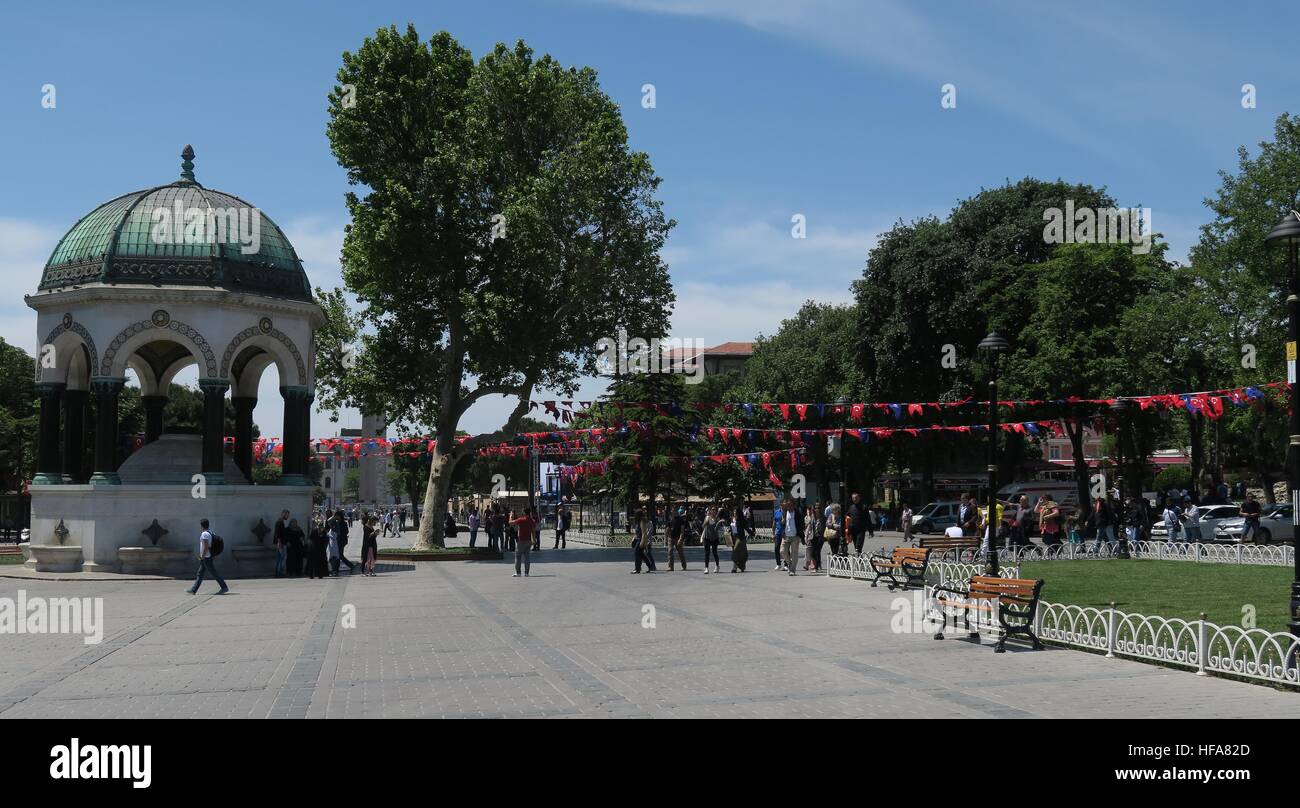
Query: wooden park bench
{"points": [[939, 545], [906, 565], [1013, 600]]}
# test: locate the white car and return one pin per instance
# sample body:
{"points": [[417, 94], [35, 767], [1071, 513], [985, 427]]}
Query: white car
{"points": [[1274, 525], [1212, 518]]}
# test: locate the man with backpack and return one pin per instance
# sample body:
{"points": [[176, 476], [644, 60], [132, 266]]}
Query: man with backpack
{"points": [[210, 546]]}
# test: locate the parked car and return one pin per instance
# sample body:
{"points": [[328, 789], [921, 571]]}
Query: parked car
{"points": [[1212, 518], [1274, 526], [936, 516]]}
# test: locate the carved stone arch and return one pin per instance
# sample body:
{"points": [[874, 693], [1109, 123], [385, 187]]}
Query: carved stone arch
{"points": [[264, 329], [161, 323], [69, 324]]}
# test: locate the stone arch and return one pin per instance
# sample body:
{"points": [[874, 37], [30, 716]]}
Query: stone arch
{"points": [[64, 340], [159, 327], [265, 335]]}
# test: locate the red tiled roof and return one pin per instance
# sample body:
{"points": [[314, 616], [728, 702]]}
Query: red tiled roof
{"points": [[732, 348]]}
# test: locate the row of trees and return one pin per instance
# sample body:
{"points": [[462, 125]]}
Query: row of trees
{"points": [[502, 226]]}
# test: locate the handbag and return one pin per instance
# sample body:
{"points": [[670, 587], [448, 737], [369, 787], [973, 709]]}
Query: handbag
{"points": [[830, 533]]}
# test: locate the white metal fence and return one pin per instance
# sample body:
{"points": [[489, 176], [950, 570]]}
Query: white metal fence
{"points": [[1198, 644], [1273, 555], [1207, 648]]}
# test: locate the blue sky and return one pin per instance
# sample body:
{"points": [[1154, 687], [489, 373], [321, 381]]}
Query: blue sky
{"points": [[829, 109]]}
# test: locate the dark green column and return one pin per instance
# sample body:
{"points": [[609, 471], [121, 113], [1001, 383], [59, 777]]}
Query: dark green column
{"points": [[297, 429], [214, 429], [107, 390], [75, 403], [49, 468]]}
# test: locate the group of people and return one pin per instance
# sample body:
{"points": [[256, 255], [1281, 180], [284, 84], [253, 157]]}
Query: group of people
{"points": [[320, 551], [800, 534]]}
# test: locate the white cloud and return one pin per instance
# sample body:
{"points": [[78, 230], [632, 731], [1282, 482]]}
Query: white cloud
{"points": [[25, 246]]}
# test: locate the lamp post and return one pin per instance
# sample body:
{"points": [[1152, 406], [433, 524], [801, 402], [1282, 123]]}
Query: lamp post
{"points": [[1122, 407], [994, 345], [843, 402], [1288, 232]]}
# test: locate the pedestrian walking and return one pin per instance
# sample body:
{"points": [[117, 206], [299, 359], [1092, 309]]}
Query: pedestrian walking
{"points": [[642, 540], [281, 540], [341, 543], [710, 539], [210, 546], [793, 537], [525, 525], [369, 547], [473, 527], [562, 521], [677, 537], [739, 540]]}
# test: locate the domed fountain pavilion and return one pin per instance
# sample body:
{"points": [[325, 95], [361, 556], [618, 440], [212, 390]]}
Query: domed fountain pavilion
{"points": [[156, 281]]}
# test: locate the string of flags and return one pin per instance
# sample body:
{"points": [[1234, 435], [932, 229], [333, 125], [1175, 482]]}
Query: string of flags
{"points": [[1207, 402], [1211, 404], [746, 460]]}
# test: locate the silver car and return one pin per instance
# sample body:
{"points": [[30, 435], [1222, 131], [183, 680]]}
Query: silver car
{"points": [[1212, 518], [1274, 526]]}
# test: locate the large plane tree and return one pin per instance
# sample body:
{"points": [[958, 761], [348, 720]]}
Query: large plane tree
{"points": [[501, 226]]}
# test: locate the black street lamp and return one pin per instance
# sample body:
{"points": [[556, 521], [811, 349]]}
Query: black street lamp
{"points": [[843, 403], [994, 345], [1288, 232], [1121, 408]]}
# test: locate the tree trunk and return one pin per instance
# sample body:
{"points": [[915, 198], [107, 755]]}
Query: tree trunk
{"points": [[1261, 463], [1196, 433], [436, 493], [1082, 476]]}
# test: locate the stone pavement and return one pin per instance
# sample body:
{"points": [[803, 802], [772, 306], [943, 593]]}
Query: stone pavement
{"points": [[464, 639]]}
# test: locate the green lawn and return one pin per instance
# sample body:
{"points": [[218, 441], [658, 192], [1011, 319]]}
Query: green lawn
{"points": [[1170, 588], [11, 558]]}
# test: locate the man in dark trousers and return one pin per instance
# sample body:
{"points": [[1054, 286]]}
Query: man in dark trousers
{"points": [[858, 523], [677, 537], [341, 530], [281, 544], [562, 521]]}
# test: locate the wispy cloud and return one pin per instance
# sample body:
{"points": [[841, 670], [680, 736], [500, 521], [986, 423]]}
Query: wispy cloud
{"points": [[25, 245]]}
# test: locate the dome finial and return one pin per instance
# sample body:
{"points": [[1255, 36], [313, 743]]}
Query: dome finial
{"points": [[187, 164]]}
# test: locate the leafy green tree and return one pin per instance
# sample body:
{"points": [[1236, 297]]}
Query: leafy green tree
{"points": [[1085, 296], [503, 228], [804, 361], [352, 485], [19, 417], [1246, 282]]}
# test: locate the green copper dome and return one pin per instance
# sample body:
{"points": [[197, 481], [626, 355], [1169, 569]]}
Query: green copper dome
{"points": [[178, 234]]}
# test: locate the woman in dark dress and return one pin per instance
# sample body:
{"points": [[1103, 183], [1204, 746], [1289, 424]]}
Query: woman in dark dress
{"points": [[317, 545], [369, 547], [294, 543], [739, 547]]}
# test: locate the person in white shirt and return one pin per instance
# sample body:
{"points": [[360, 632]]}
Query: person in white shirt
{"points": [[205, 561], [953, 532], [906, 519], [790, 543]]}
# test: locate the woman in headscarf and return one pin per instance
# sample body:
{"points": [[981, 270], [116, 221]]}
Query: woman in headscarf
{"points": [[369, 548], [317, 547], [293, 539], [739, 535]]}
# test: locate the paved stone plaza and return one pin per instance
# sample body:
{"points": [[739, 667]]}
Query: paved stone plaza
{"points": [[464, 639]]}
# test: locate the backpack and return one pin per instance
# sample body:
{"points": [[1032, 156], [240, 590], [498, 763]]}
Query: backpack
{"points": [[216, 545]]}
